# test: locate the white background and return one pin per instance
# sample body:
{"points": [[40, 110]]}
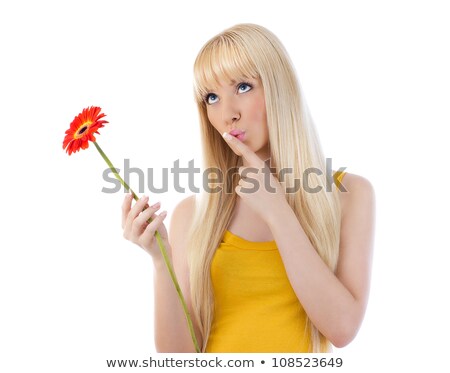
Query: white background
{"points": [[376, 77]]}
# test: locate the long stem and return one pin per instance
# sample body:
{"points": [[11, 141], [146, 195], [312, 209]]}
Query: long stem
{"points": [[161, 248]]}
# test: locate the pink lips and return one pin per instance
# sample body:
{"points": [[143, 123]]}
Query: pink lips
{"points": [[236, 132], [239, 134]]}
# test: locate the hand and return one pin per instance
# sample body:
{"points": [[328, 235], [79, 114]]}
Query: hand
{"points": [[257, 187], [137, 230]]}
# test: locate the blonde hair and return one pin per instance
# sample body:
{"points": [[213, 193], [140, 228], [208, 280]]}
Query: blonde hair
{"points": [[252, 51]]}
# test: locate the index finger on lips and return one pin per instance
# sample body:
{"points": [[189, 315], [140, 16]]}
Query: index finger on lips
{"points": [[246, 152]]}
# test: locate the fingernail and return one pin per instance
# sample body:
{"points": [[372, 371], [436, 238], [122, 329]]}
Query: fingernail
{"points": [[163, 214], [144, 199], [157, 204], [226, 136]]}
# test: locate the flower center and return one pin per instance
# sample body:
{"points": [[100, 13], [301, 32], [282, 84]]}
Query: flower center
{"points": [[82, 129]]}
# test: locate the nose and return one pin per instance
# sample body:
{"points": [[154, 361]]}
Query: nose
{"points": [[231, 112]]}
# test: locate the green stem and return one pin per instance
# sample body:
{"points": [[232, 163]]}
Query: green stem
{"points": [[161, 248]]}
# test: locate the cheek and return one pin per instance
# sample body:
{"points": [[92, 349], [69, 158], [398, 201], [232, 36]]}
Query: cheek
{"points": [[258, 110], [212, 119], [261, 119]]}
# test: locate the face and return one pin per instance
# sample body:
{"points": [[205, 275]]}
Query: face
{"points": [[241, 106]]}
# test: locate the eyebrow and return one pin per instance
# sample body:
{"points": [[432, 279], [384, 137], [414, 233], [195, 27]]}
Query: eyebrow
{"points": [[242, 78], [233, 82]]}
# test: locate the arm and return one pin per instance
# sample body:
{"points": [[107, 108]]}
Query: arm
{"points": [[335, 303], [171, 328]]}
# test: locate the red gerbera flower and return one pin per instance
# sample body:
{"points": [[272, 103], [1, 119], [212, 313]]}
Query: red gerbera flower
{"points": [[79, 134], [82, 129]]}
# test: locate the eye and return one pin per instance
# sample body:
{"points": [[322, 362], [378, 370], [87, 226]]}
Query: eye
{"points": [[240, 85], [208, 96], [243, 85]]}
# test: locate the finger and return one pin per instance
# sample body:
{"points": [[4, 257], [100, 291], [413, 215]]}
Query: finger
{"points": [[126, 207], [245, 171], [140, 222], [244, 150], [150, 230], [135, 211]]}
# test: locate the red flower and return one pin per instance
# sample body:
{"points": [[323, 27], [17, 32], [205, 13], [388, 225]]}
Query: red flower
{"points": [[82, 129], [79, 134]]}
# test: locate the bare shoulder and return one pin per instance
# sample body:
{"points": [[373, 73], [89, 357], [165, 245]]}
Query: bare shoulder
{"points": [[186, 205], [182, 214], [356, 180], [357, 191], [178, 231]]}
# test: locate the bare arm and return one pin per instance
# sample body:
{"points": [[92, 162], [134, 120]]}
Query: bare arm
{"points": [[171, 328], [335, 303]]}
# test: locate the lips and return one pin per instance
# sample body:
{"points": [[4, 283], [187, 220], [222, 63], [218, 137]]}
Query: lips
{"points": [[236, 132], [239, 134]]}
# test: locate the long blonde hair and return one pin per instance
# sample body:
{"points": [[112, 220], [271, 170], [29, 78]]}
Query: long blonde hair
{"points": [[245, 51]]}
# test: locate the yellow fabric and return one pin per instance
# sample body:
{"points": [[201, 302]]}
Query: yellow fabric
{"points": [[338, 176], [256, 308]]}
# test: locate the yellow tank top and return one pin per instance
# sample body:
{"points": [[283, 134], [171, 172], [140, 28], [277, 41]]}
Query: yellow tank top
{"points": [[256, 308]]}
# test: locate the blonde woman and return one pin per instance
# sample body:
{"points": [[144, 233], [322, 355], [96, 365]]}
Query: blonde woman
{"points": [[265, 265]]}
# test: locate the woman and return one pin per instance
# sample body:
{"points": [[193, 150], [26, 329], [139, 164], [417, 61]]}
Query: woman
{"points": [[265, 265]]}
